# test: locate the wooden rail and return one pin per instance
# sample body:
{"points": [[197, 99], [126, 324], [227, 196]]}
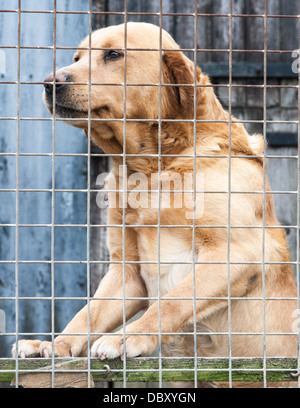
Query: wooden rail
{"points": [[73, 372]]}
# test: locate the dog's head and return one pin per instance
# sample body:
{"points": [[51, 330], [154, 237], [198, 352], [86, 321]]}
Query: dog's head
{"points": [[93, 86]]}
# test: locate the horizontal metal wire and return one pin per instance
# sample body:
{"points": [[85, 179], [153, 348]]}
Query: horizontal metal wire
{"points": [[262, 121], [146, 226], [158, 14], [178, 358], [220, 156], [155, 298], [137, 370], [147, 262], [146, 370], [59, 190], [272, 156], [168, 333], [198, 50], [260, 86]]}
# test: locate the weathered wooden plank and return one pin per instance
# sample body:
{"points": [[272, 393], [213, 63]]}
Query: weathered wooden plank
{"points": [[274, 31], [100, 19], [204, 31], [239, 33], [289, 29], [249, 70], [253, 30], [220, 30], [283, 177], [62, 378], [147, 369]]}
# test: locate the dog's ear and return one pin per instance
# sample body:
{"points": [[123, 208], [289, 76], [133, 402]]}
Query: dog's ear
{"points": [[177, 69]]}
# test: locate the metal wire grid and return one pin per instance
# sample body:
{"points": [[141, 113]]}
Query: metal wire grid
{"points": [[159, 226]]}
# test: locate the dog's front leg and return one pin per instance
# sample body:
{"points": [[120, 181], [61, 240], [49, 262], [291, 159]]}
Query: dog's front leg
{"points": [[103, 314], [177, 307]]}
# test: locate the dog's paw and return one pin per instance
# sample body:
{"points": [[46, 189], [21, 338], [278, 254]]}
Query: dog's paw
{"points": [[37, 348], [61, 349], [108, 347], [26, 349]]}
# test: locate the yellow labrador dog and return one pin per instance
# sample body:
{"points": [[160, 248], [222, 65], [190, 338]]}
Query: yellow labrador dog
{"points": [[191, 267]]}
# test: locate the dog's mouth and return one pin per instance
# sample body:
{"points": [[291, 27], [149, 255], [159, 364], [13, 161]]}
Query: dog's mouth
{"points": [[65, 111], [62, 110]]}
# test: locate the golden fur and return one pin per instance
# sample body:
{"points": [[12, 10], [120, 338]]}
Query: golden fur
{"points": [[211, 274]]}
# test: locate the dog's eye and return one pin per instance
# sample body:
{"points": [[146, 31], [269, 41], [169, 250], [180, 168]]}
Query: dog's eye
{"points": [[112, 55], [76, 58]]}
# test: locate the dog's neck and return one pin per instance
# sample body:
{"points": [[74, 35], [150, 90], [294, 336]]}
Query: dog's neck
{"points": [[146, 144]]}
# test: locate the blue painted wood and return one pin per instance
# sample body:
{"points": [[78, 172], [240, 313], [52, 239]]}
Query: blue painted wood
{"points": [[34, 243]]}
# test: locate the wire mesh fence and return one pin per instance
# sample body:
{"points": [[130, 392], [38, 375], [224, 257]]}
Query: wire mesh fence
{"points": [[53, 218]]}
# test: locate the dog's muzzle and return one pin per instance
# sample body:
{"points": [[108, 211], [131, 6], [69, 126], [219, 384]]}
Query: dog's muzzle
{"points": [[59, 82]]}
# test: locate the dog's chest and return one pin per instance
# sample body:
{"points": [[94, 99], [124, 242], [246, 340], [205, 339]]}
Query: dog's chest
{"points": [[164, 262]]}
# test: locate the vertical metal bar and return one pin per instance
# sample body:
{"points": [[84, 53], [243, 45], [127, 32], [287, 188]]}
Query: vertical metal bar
{"points": [[124, 201], [53, 195], [264, 190], [195, 196], [89, 196], [229, 193], [298, 206], [159, 193], [17, 194]]}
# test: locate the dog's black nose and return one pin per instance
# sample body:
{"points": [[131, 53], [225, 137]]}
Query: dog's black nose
{"points": [[59, 82]]}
